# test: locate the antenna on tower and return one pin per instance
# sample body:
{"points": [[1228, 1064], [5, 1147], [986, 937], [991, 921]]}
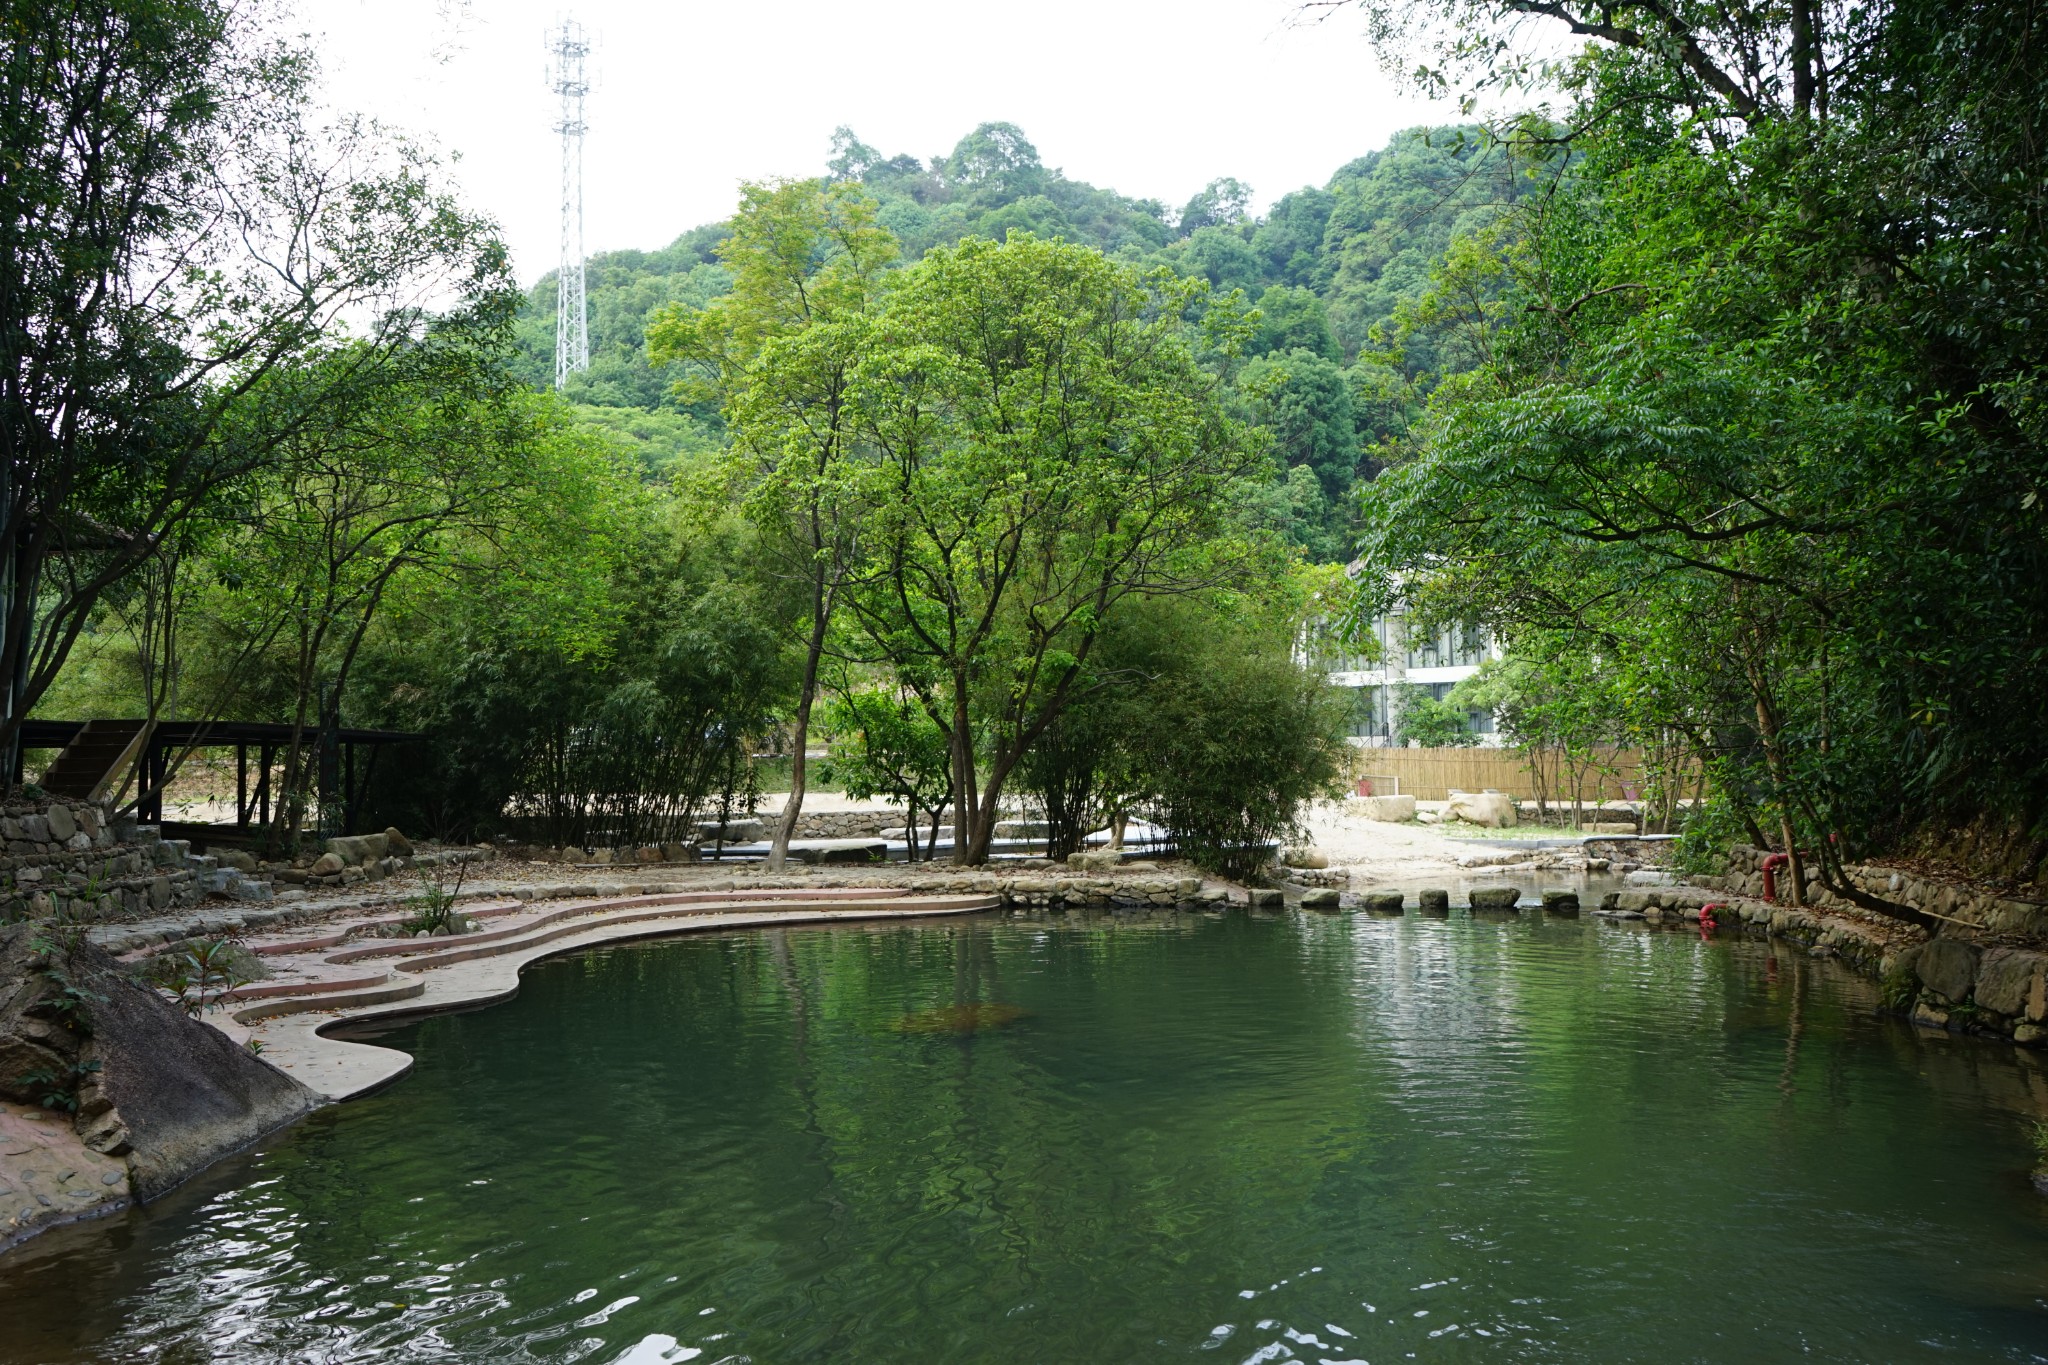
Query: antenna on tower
{"points": [[569, 47]]}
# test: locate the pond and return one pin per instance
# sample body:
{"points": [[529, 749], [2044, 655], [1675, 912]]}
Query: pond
{"points": [[1116, 1138]]}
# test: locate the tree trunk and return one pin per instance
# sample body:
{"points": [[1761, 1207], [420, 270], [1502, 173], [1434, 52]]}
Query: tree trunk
{"points": [[967, 832], [793, 808]]}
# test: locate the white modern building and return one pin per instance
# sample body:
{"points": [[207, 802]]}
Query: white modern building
{"points": [[1407, 658]]}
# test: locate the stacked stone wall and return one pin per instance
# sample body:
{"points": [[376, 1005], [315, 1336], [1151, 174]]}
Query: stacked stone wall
{"points": [[1971, 907], [73, 859], [850, 824]]}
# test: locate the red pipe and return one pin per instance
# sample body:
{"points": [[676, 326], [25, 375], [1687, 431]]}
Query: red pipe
{"points": [[1708, 924], [1771, 864]]}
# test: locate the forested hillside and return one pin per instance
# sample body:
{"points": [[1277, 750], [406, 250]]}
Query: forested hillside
{"points": [[1328, 267]]}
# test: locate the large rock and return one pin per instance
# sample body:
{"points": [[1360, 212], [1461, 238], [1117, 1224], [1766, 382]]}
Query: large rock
{"points": [[396, 845], [355, 850], [1320, 898], [1311, 858], [1095, 860], [1495, 898], [2011, 981], [1022, 829], [1391, 809], [62, 826], [1386, 902], [1434, 902], [170, 1094], [327, 864], [1948, 967], [1495, 810], [1557, 901]]}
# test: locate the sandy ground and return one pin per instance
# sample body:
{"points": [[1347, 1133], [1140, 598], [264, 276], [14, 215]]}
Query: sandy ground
{"points": [[1385, 852]]}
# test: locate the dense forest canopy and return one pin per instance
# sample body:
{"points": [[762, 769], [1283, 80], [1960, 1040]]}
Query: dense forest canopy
{"points": [[1329, 269]]}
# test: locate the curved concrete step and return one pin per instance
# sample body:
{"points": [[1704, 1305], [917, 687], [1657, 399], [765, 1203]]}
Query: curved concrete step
{"points": [[469, 947], [341, 936], [400, 947], [336, 1000], [313, 987]]}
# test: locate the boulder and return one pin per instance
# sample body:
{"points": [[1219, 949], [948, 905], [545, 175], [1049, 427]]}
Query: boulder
{"points": [[1948, 967], [1560, 902], [326, 865], [169, 1093], [1022, 829], [1320, 898], [1095, 860], [62, 826], [1650, 876], [396, 845], [1265, 898], [1494, 810], [1390, 809], [239, 859], [1387, 902], [1433, 902], [1311, 858], [2010, 981], [358, 849], [1495, 898]]}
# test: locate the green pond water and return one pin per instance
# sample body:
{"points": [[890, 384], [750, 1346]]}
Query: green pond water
{"points": [[1202, 1138]]}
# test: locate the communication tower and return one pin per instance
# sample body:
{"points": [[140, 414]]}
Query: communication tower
{"points": [[568, 47]]}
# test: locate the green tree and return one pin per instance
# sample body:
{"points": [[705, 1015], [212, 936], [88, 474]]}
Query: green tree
{"points": [[1422, 718], [1749, 408], [1293, 318], [1304, 401], [891, 747], [807, 261], [1045, 449], [1237, 739]]}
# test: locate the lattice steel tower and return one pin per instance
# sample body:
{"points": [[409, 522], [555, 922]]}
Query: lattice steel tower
{"points": [[566, 75]]}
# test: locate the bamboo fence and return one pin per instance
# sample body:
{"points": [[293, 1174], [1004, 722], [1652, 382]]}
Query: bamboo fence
{"points": [[1433, 774]]}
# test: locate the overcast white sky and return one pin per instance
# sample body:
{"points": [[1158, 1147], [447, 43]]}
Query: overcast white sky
{"points": [[1150, 98]]}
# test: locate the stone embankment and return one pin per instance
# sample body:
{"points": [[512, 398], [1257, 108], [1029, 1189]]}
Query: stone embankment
{"points": [[72, 860], [1982, 973]]}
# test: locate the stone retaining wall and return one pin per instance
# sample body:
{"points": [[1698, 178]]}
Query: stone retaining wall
{"points": [[73, 859], [849, 824], [1971, 907]]}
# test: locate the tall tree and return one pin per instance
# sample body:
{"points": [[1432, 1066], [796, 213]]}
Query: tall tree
{"points": [[1046, 448], [807, 262]]}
